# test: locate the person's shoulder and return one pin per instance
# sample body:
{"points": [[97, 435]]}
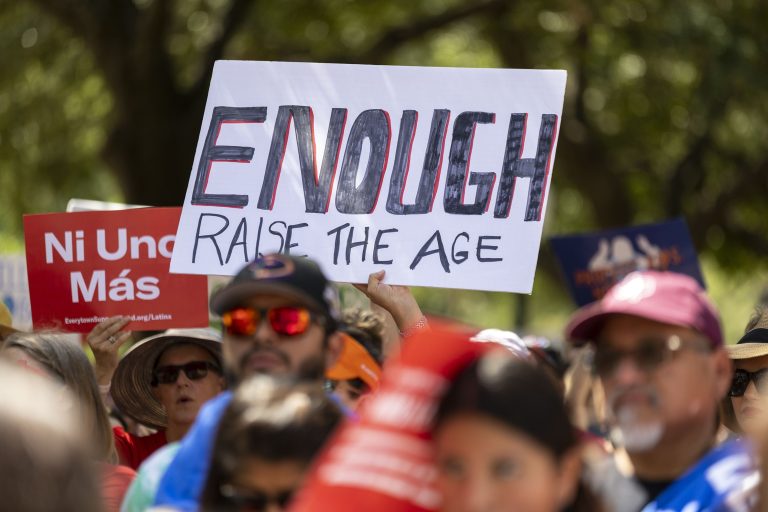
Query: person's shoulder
{"points": [[117, 471], [728, 458], [119, 433], [725, 479], [733, 473]]}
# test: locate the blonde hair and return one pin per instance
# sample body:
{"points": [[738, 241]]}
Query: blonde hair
{"points": [[356, 322], [67, 362], [46, 464]]}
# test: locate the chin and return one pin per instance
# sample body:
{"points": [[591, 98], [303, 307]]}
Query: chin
{"points": [[752, 426], [184, 419], [262, 370]]}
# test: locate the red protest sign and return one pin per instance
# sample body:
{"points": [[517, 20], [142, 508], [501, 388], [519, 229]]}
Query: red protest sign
{"points": [[384, 462], [84, 267]]}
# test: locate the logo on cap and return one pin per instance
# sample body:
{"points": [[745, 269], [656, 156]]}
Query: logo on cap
{"points": [[271, 266], [634, 289]]}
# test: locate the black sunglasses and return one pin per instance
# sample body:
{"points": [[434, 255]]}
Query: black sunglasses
{"points": [[742, 378], [194, 370], [255, 501]]}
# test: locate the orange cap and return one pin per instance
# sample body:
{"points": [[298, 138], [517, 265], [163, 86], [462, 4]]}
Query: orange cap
{"points": [[355, 362]]}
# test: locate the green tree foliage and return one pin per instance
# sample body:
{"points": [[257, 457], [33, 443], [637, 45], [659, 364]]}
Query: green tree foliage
{"points": [[666, 104]]}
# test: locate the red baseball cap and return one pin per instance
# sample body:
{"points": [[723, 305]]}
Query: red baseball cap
{"points": [[665, 297]]}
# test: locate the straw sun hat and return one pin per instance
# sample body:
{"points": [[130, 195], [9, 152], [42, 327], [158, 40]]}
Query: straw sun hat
{"points": [[131, 389], [754, 343]]}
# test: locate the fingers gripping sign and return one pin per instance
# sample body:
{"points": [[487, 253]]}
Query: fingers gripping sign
{"points": [[397, 300], [105, 341]]}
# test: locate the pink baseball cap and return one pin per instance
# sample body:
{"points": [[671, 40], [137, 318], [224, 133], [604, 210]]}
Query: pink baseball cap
{"points": [[665, 297]]}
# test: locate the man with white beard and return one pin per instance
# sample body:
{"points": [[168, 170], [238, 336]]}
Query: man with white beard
{"points": [[660, 357]]}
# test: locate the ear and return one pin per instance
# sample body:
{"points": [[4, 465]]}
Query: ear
{"points": [[723, 372], [570, 473], [333, 350]]}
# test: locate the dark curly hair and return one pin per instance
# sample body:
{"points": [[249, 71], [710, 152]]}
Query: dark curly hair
{"points": [[269, 419]]}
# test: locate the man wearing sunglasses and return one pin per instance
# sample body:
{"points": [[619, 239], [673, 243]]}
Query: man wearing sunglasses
{"points": [[162, 382], [660, 357], [279, 316]]}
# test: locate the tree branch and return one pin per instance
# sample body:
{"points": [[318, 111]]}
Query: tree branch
{"points": [[749, 239], [397, 36], [150, 60], [231, 21], [681, 174]]}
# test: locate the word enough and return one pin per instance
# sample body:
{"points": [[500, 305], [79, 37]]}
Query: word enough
{"points": [[374, 125]]}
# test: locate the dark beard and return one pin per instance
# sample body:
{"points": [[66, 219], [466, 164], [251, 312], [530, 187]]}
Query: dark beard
{"points": [[311, 369]]}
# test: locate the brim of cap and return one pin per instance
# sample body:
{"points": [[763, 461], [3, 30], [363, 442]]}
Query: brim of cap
{"points": [[236, 295], [747, 350], [131, 389], [588, 321], [351, 362]]}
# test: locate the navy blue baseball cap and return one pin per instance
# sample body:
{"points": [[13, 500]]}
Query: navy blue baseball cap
{"points": [[280, 274]]}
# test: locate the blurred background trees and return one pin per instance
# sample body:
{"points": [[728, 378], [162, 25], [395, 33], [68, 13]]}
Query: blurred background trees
{"points": [[666, 108]]}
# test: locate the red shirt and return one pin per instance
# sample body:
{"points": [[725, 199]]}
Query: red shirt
{"points": [[134, 449], [115, 481]]}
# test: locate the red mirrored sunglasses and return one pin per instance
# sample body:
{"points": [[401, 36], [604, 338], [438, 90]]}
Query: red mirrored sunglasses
{"points": [[284, 320]]}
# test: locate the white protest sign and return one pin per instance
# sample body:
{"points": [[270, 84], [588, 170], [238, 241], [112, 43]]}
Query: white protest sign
{"points": [[438, 175], [90, 205]]}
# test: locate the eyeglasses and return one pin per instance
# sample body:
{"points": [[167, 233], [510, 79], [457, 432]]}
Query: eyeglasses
{"points": [[648, 356], [255, 501], [284, 320], [742, 378], [194, 370]]}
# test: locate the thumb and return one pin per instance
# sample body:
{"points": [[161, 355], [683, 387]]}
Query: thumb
{"points": [[377, 276], [373, 281]]}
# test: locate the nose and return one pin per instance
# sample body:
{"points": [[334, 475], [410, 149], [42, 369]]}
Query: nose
{"points": [[477, 495], [182, 380], [627, 372], [264, 332], [751, 392]]}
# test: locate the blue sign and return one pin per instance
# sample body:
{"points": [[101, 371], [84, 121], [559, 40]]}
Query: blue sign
{"points": [[14, 292], [593, 262]]}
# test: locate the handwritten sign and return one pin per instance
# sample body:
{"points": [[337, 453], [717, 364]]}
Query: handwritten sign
{"points": [[593, 262], [438, 175], [84, 267]]}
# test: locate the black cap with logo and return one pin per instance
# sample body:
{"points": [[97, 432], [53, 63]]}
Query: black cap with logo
{"points": [[285, 275]]}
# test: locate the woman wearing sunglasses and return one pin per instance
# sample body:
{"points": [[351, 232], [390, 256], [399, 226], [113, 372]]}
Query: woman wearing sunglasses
{"points": [[162, 382], [746, 406]]}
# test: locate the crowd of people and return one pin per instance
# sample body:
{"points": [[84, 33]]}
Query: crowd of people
{"points": [[646, 408]]}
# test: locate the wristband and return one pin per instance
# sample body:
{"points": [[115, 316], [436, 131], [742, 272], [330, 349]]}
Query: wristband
{"points": [[418, 326]]}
